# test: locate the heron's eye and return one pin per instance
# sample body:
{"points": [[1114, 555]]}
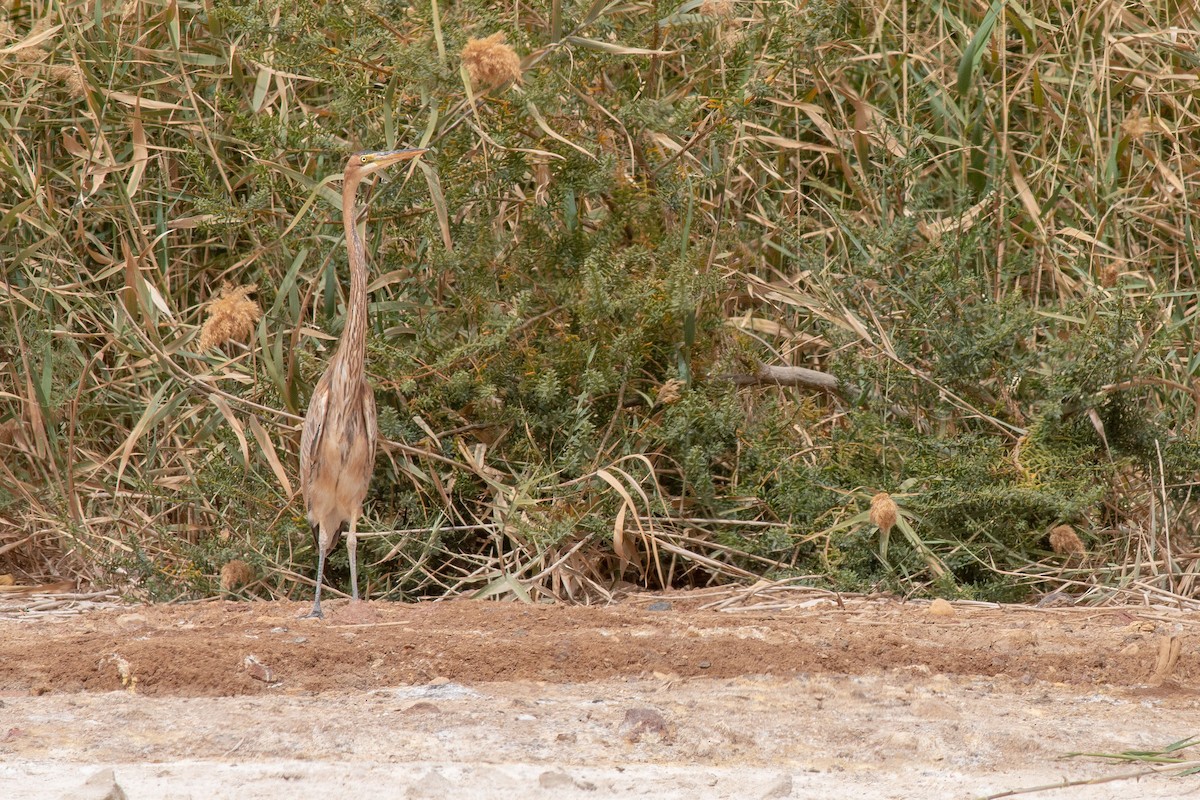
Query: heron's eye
{"points": [[362, 159]]}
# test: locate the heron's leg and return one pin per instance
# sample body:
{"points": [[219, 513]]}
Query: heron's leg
{"points": [[316, 609], [352, 547]]}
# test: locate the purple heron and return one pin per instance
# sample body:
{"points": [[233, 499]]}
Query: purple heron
{"points": [[337, 446]]}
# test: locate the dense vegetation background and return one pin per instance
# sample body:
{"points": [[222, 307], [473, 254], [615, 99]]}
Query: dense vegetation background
{"points": [[980, 220]]}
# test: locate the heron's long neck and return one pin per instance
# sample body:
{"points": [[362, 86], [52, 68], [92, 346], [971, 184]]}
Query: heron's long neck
{"points": [[354, 335]]}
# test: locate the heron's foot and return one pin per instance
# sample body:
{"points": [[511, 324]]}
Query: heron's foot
{"points": [[316, 613]]}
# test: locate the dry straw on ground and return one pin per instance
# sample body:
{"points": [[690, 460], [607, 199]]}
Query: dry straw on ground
{"points": [[491, 62]]}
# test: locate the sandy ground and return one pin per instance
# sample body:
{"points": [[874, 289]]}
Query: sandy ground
{"points": [[651, 698]]}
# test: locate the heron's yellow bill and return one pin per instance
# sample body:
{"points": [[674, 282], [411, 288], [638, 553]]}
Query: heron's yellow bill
{"points": [[384, 158]]}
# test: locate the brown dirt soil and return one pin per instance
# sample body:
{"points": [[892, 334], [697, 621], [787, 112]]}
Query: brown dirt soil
{"points": [[652, 697], [202, 649]]}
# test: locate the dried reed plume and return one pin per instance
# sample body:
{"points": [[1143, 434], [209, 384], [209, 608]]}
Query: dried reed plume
{"points": [[491, 62], [33, 53], [1137, 127], [9, 431], [235, 575], [231, 317], [1108, 276], [721, 9], [30, 60], [1065, 542], [883, 512], [941, 608], [669, 392], [70, 77]]}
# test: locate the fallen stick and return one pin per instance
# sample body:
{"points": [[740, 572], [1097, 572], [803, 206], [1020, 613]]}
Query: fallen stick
{"points": [[788, 376]]}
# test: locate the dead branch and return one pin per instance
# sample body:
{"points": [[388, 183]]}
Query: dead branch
{"points": [[789, 376]]}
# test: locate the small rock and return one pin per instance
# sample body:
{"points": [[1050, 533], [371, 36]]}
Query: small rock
{"points": [[660, 605], [941, 608], [782, 787], [705, 664], [124, 671], [132, 622], [440, 680], [423, 707], [101, 786], [1056, 600], [1014, 641], [356, 612], [434, 786], [640, 722], [556, 780], [258, 670]]}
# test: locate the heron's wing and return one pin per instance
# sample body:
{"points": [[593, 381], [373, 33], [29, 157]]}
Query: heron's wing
{"points": [[310, 436], [371, 419]]}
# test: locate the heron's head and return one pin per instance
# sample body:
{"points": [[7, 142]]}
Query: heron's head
{"points": [[365, 163]]}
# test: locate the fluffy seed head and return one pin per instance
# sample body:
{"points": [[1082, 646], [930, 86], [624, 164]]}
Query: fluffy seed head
{"points": [[669, 392], [883, 511], [721, 9], [1136, 126], [231, 317], [32, 54], [941, 608], [9, 431], [491, 62], [30, 60], [235, 575], [1065, 542], [1108, 276], [70, 77]]}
